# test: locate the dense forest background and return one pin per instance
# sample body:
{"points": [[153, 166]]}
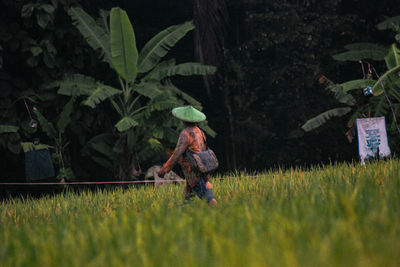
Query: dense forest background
{"points": [[266, 87]]}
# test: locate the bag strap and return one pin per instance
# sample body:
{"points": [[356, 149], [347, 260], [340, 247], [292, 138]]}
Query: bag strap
{"points": [[204, 138]]}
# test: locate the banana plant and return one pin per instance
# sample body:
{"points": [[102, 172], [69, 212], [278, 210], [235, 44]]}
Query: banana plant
{"points": [[388, 84], [341, 96], [57, 135], [373, 106], [385, 89], [145, 93]]}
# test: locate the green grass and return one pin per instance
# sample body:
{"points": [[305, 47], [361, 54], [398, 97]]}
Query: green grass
{"points": [[339, 215]]}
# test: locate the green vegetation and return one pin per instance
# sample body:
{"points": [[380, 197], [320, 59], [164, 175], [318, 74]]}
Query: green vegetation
{"points": [[385, 89], [141, 125], [266, 54], [338, 215], [57, 134]]}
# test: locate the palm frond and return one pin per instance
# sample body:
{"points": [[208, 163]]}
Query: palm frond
{"points": [[392, 58], [126, 123], [154, 75], [96, 36], [163, 105], [159, 105], [183, 95], [389, 23], [377, 89], [65, 116], [357, 55], [150, 90], [356, 84], [206, 128], [155, 144], [365, 46], [104, 19], [159, 45], [46, 125], [185, 69], [75, 85], [340, 95], [322, 118], [100, 94]]}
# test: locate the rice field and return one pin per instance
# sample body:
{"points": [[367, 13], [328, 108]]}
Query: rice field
{"points": [[336, 215]]}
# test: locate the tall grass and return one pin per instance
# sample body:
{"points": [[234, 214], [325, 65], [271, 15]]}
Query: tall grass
{"points": [[337, 215]]}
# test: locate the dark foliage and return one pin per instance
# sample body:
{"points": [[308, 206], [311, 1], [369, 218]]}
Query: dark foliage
{"points": [[269, 53]]}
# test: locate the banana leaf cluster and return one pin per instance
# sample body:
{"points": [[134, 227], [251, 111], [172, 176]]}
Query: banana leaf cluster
{"points": [[145, 95], [385, 87]]}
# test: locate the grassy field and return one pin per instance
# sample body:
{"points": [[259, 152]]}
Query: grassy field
{"points": [[339, 215]]}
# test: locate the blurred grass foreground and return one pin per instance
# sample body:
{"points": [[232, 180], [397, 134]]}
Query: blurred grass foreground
{"points": [[336, 215]]}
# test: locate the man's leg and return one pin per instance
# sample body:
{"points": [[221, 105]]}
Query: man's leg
{"points": [[204, 193], [209, 186], [188, 193]]}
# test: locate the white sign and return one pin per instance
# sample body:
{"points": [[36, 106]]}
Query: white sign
{"points": [[372, 138]]}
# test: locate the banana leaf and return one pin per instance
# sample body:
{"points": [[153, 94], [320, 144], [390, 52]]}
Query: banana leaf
{"points": [[185, 69], [125, 124], [389, 23], [75, 85], [340, 95], [356, 84], [322, 118], [377, 89], [8, 129], [154, 75], [159, 45], [149, 90], [65, 116], [357, 55], [365, 46], [100, 94], [123, 45], [96, 36], [184, 96], [392, 59], [206, 128], [46, 125]]}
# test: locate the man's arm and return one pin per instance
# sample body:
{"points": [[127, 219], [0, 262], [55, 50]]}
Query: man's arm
{"points": [[180, 148]]}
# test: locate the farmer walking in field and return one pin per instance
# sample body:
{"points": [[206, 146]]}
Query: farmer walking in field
{"points": [[193, 155]]}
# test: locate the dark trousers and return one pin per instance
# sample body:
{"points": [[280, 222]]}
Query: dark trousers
{"points": [[200, 190]]}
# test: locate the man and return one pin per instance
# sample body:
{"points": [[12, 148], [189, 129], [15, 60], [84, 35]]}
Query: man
{"points": [[192, 139]]}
